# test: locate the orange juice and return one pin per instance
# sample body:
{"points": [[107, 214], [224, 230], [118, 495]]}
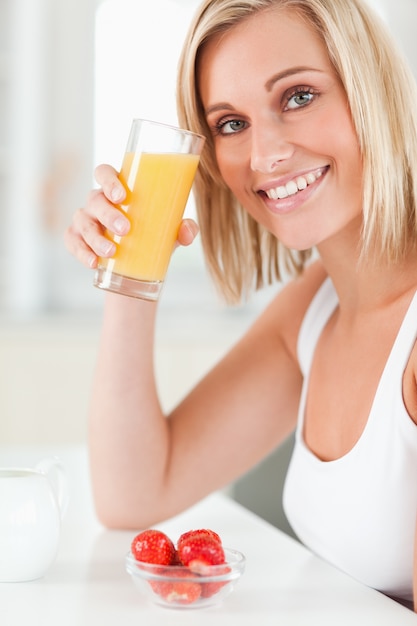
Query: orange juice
{"points": [[158, 186]]}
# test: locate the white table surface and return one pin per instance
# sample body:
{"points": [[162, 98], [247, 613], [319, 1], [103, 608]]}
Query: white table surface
{"points": [[284, 584]]}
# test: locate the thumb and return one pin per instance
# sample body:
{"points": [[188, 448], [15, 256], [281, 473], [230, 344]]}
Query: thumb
{"points": [[187, 232]]}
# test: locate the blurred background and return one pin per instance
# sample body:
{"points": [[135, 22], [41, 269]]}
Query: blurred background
{"points": [[73, 73]]}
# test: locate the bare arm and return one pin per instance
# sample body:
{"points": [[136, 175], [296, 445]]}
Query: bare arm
{"points": [[147, 466]]}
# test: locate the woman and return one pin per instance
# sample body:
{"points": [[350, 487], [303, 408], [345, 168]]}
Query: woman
{"points": [[311, 143]]}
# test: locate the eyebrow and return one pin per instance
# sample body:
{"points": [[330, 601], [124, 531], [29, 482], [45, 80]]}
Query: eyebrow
{"points": [[288, 72], [221, 106]]}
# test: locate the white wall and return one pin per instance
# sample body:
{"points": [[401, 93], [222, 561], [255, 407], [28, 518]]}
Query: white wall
{"points": [[401, 18], [50, 108]]}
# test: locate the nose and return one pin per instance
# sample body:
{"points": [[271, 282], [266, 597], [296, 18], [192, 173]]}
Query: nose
{"points": [[270, 146]]}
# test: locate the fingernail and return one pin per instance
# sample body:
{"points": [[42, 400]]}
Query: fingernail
{"points": [[121, 226], [116, 194], [106, 248]]}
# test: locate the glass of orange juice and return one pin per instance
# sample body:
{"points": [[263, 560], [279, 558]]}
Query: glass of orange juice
{"points": [[157, 172]]}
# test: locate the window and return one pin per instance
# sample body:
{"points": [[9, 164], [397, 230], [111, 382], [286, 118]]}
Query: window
{"points": [[137, 47]]}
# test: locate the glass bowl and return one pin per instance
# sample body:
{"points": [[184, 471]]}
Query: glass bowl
{"points": [[176, 586]]}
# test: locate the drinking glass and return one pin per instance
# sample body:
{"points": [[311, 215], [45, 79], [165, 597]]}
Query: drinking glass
{"points": [[157, 172]]}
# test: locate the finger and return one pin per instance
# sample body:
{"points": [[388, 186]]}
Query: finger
{"points": [[187, 232], [107, 177], [79, 249], [104, 212], [87, 234]]}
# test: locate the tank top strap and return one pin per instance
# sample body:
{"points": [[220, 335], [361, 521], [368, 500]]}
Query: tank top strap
{"points": [[405, 339], [318, 313]]}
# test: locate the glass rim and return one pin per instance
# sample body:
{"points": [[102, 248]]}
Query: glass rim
{"points": [[166, 125]]}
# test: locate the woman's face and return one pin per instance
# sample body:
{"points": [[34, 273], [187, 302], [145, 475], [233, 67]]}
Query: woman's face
{"points": [[283, 134]]}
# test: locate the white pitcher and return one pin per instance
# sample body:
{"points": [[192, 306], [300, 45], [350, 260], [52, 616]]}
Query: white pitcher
{"points": [[32, 505]]}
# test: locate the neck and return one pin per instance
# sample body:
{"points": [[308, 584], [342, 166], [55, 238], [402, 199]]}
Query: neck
{"points": [[367, 283]]}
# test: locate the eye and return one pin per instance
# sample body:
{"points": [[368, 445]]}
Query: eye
{"points": [[229, 126], [299, 98]]}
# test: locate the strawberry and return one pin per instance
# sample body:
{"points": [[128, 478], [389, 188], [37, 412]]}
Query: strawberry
{"points": [[178, 591], [198, 552], [209, 589], [206, 532], [153, 546], [176, 559]]}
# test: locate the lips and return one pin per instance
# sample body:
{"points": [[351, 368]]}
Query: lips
{"points": [[293, 186]]}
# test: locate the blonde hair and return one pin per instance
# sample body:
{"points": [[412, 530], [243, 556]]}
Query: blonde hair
{"points": [[382, 94]]}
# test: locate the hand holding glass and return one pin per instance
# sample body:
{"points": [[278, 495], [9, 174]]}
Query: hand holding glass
{"points": [[157, 172]]}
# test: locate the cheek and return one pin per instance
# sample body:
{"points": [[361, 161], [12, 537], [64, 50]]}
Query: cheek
{"points": [[232, 170], [237, 178], [345, 142]]}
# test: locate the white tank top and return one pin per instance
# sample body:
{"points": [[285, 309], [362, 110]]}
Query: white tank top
{"points": [[359, 511]]}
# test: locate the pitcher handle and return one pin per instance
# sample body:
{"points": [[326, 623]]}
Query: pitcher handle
{"points": [[54, 470]]}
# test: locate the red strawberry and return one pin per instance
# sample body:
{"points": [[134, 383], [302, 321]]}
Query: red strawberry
{"points": [[176, 559], [200, 551], [178, 591], [202, 532], [209, 589], [153, 546]]}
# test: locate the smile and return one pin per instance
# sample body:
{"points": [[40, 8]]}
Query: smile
{"points": [[294, 186]]}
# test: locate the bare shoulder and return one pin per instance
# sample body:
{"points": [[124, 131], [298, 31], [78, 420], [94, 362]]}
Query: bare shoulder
{"points": [[284, 315]]}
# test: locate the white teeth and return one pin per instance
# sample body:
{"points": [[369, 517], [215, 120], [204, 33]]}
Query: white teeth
{"points": [[301, 183], [293, 186]]}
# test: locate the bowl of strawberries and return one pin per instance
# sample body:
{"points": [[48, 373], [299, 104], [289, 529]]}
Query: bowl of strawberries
{"points": [[196, 572]]}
